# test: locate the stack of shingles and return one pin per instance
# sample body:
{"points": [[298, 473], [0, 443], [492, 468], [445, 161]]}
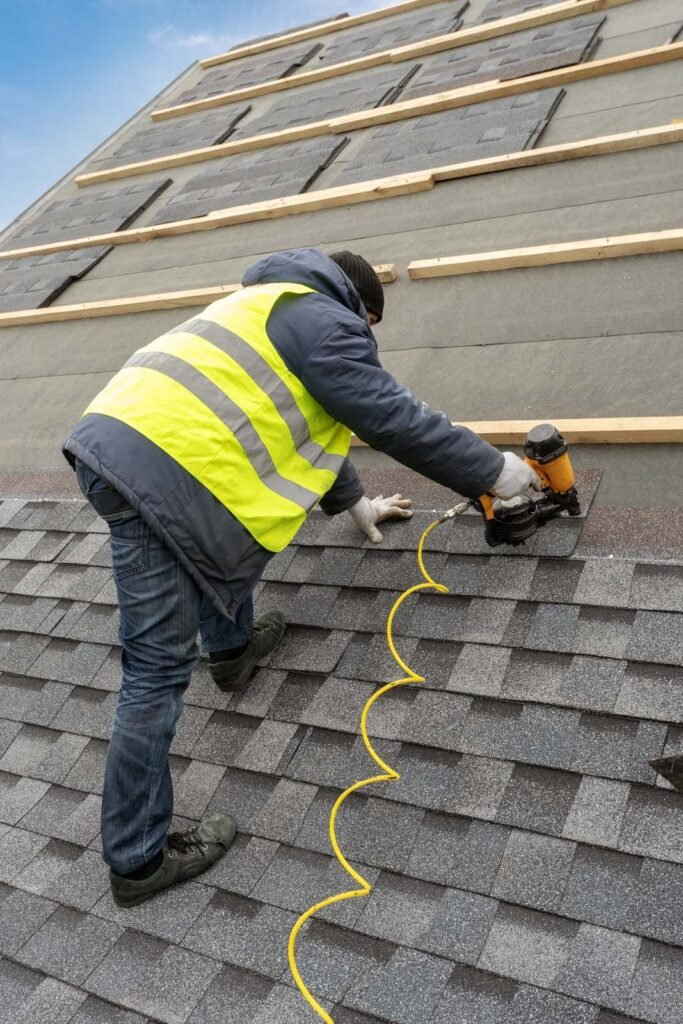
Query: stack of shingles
{"points": [[159, 138], [240, 74], [29, 282], [392, 32], [527, 867]]}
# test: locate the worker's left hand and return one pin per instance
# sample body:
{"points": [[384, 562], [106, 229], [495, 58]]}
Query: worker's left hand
{"points": [[367, 513]]}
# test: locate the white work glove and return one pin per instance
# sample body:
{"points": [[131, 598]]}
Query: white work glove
{"points": [[517, 477], [366, 513]]}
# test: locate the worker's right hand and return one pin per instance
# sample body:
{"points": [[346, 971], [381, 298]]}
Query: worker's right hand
{"points": [[516, 478]]}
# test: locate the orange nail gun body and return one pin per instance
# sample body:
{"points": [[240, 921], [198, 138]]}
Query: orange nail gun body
{"points": [[515, 521]]}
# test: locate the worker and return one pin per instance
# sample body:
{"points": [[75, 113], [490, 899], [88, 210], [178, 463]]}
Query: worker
{"points": [[204, 455]]}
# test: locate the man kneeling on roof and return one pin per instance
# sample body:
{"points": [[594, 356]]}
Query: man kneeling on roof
{"points": [[205, 454]]}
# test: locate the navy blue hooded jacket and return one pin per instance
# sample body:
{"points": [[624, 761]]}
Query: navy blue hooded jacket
{"points": [[325, 340]]}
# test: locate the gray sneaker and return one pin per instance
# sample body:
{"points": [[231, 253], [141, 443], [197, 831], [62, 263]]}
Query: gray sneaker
{"points": [[186, 855], [268, 630]]}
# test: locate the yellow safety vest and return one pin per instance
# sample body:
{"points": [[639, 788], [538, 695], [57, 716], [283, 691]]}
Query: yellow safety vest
{"points": [[215, 395]]}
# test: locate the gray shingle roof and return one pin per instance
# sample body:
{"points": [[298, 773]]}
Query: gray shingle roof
{"points": [[526, 866]]}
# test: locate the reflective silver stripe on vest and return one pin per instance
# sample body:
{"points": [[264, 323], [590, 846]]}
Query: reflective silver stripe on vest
{"points": [[234, 418], [266, 378]]}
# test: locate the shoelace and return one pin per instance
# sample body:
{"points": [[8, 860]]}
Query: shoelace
{"points": [[184, 842]]}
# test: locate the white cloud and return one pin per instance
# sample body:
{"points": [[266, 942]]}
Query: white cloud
{"points": [[197, 39]]}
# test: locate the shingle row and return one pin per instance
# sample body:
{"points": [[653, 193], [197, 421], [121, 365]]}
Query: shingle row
{"points": [[599, 582], [633, 818]]}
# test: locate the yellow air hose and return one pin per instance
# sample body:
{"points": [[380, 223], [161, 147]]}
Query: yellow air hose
{"points": [[389, 773]]}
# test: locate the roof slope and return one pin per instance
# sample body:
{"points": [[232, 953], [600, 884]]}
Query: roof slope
{"points": [[527, 867]]}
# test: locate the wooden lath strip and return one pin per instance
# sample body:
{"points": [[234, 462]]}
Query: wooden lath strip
{"points": [[431, 104], [615, 430], [324, 28], [370, 191], [641, 244], [141, 303], [437, 44]]}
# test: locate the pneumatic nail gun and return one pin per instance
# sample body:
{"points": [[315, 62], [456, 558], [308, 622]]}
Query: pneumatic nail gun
{"points": [[513, 522]]}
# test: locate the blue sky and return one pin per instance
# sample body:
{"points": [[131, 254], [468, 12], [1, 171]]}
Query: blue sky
{"points": [[72, 71]]}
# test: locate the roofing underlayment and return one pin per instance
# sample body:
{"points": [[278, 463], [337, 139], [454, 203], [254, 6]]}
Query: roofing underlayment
{"points": [[528, 866]]}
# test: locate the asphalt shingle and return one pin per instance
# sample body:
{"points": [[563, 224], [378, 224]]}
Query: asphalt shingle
{"points": [[18, 796], [242, 866], [87, 773], [96, 1011], [478, 787], [657, 988], [18, 651], [169, 916], [65, 814], [459, 852], [405, 990], [597, 812], [602, 887], [527, 945], [31, 998], [244, 933], [370, 830], [69, 945], [539, 799], [234, 997], [656, 637], [600, 966], [476, 997], [296, 879], [42, 753], [69, 661], [480, 669], [534, 871], [17, 849], [657, 588], [651, 691], [651, 824], [333, 959], [152, 977], [417, 914], [605, 581], [309, 650], [655, 909], [34, 701], [21, 914]]}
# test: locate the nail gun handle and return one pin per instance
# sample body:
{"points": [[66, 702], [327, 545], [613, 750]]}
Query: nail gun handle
{"points": [[485, 503]]}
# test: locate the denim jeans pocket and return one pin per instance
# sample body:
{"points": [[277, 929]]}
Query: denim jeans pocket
{"points": [[129, 544]]}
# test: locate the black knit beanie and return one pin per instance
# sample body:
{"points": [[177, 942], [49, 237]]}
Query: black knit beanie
{"points": [[363, 277]]}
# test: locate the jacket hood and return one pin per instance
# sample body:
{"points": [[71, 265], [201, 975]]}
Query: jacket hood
{"points": [[309, 267]]}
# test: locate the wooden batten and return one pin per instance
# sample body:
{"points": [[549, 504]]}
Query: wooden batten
{"points": [[647, 242], [614, 430], [142, 303]]}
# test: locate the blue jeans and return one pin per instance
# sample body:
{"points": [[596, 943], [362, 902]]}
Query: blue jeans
{"points": [[161, 610]]}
